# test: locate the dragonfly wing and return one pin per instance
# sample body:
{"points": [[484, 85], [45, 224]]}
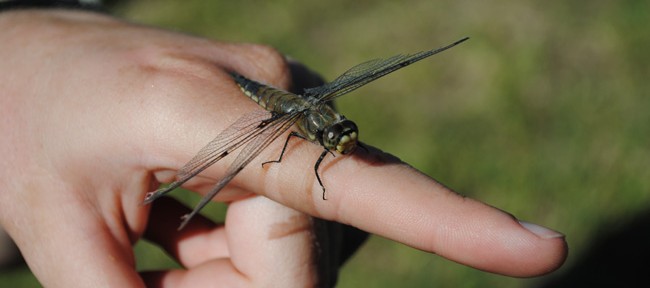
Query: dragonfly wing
{"points": [[266, 135], [366, 72], [239, 133]]}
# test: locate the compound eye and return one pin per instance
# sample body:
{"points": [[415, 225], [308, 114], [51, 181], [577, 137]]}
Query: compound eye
{"points": [[331, 135], [334, 132], [341, 137]]}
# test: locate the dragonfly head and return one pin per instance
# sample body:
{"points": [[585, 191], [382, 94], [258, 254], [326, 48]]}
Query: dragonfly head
{"points": [[342, 136]]}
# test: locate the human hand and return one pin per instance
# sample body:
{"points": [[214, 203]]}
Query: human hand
{"points": [[97, 112]]}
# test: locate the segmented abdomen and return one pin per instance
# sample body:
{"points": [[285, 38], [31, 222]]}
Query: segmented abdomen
{"points": [[269, 98]]}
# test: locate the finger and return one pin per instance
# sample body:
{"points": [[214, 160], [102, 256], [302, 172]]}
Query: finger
{"points": [[379, 194], [253, 60], [271, 243], [199, 242], [202, 242], [201, 248], [268, 243]]}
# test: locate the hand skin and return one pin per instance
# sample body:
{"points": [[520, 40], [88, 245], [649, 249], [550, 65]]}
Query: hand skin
{"points": [[96, 112]]}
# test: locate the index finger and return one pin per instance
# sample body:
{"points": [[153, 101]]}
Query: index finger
{"points": [[378, 193]]}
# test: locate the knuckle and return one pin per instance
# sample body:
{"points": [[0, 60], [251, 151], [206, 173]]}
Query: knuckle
{"points": [[268, 64]]}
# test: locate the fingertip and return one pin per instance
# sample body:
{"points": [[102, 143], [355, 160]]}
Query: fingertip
{"points": [[504, 245], [541, 231], [549, 251]]}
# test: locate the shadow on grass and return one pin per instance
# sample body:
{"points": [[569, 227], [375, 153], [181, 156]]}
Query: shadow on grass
{"points": [[618, 257]]}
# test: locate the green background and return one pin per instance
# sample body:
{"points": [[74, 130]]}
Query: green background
{"points": [[542, 113]]}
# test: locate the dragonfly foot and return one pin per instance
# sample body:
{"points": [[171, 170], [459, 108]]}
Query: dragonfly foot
{"points": [[152, 196], [184, 220]]}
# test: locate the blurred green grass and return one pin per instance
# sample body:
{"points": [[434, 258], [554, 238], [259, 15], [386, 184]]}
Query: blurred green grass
{"points": [[542, 113]]}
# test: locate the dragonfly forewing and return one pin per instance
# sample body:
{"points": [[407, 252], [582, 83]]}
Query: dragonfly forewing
{"points": [[245, 129], [369, 71], [266, 133]]}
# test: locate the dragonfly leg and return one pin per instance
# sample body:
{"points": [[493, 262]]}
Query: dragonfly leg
{"points": [[320, 159], [284, 148]]}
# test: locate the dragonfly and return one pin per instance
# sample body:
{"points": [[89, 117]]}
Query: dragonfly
{"points": [[310, 112]]}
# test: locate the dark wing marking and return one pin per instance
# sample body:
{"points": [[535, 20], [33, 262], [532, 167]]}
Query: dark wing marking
{"points": [[369, 71], [258, 129], [265, 136], [236, 135]]}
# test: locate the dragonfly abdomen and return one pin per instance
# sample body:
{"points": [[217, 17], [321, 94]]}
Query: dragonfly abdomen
{"points": [[271, 99]]}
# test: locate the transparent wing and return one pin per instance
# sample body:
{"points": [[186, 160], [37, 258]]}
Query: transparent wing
{"points": [[234, 136], [257, 128], [369, 71], [266, 136]]}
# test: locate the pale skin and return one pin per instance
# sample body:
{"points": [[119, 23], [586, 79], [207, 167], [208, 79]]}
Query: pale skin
{"points": [[96, 112]]}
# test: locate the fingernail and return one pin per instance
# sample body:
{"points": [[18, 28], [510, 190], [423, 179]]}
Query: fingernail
{"points": [[541, 231]]}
